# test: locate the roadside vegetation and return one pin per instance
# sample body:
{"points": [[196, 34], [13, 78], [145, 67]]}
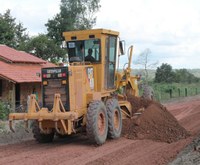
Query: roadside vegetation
{"points": [[169, 83], [165, 91], [4, 110]]}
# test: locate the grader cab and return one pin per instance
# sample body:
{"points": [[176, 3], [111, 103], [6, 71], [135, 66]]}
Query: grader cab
{"points": [[87, 94]]}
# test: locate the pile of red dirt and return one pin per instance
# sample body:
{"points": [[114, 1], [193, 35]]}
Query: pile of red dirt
{"points": [[154, 123], [138, 103]]}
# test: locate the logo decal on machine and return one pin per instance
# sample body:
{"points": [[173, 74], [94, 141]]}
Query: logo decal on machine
{"points": [[54, 71], [90, 74]]}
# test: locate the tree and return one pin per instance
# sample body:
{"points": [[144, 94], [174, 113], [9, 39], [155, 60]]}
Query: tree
{"points": [[183, 76], [7, 26], [74, 15], [145, 62], [164, 73], [21, 37], [45, 48], [11, 33]]}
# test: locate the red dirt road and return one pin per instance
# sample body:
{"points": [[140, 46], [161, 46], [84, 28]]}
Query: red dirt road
{"points": [[78, 150]]}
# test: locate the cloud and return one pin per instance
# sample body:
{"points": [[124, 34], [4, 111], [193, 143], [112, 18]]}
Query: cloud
{"points": [[33, 13], [169, 28]]}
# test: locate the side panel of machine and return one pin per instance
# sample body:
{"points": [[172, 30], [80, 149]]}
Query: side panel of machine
{"points": [[81, 82]]}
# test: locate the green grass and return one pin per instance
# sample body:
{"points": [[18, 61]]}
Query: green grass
{"points": [[174, 90]]}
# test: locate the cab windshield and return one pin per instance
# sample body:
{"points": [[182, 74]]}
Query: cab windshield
{"points": [[84, 50]]}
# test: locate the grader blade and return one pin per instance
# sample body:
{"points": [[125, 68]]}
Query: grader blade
{"points": [[125, 109]]}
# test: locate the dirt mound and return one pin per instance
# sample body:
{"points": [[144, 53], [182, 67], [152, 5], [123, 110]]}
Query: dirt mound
{"points": [[155, 123], [138, 103]]}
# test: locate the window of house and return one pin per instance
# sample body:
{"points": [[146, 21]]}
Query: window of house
{"points": [[1, 88]]}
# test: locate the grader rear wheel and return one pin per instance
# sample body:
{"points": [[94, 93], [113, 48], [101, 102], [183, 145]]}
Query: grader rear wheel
{"points": [[97, 122], [41, 138], [114, 119]]}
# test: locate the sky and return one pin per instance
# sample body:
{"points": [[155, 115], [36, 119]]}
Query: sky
{"points": [[169, 28]]}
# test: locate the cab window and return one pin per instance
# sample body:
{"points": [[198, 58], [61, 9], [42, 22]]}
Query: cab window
{"points": [[85, 50]]}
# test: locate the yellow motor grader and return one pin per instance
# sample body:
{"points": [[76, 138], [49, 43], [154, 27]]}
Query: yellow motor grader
{"points": [[88, 93]]}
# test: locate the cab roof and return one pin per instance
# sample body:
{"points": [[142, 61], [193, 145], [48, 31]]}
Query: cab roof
{"points": [[75, 35]]}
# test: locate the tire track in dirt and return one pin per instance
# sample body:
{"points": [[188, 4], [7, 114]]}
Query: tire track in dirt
{"points": [[142, 152], [109, 147], [32, 151], [64, 154]]}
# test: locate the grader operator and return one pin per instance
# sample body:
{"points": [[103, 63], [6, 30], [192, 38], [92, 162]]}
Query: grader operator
{"points": [[87, 94]]}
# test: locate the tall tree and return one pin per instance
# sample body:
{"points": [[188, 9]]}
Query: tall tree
{"points": [[7, 29], [164, 73], [45, 48], [11, 33], [21, 36], [74, 15], [145, 61]]}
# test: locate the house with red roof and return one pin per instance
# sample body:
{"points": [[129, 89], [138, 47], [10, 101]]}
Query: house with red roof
{"points": [[19, 75]]}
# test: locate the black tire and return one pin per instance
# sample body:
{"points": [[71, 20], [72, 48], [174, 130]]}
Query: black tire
{"points": [[114, 119], [41, 138], [97, 122]]}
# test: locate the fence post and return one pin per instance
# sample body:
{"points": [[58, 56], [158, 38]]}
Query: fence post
{"points": [[179, 92], [160, 93], [186, 92], [170, 93]]}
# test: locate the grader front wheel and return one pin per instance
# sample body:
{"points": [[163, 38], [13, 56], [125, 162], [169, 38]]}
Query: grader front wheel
{"points": [[114, 119], [97, 122], [40, 137]]}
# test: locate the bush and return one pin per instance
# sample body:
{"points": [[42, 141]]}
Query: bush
{"points": [[4, 111]]}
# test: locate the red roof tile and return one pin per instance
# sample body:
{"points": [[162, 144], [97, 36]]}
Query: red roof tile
{"points": [[22, 72], [16, 56]]}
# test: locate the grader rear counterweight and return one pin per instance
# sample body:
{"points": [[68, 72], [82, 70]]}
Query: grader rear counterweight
{"points": [[87, 93]]}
